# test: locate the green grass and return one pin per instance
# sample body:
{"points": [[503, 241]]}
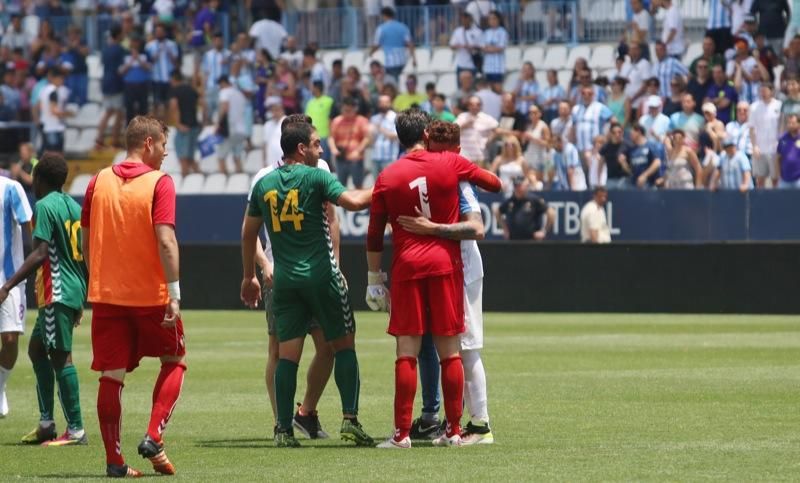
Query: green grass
{"points": [[572, 397]]}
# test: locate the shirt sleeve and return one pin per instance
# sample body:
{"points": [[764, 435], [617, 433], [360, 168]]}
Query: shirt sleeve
{"points": [[22, 209], [378, 204], [164, 202], [332, 189], [466, 170], [467, 200], [745, 162], [44, 224], [377, 40], [254, 208], [86, 210], [503, 38]]}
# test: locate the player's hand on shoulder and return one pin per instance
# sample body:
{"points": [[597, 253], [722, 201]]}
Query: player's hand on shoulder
{"points": [[172, 314], [251, 292], [377, 298]]}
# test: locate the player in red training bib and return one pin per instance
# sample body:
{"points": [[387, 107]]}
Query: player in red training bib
{"points": [[427, 275]]}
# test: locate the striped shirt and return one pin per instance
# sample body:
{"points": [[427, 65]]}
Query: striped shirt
{"points": [[732, 170], [666, 70], [719, 14], [564, 160], [561, 127], [160, 52], [16, 211], [393, 37], [599, 94], [589, 122], [749, 91], [527, 88], [555, 92], [385, 149], [495, 63], [740, 133], [215, 64]]}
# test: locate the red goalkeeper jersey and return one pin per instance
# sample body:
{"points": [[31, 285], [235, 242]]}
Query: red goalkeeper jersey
{"points": [[428, 181]]}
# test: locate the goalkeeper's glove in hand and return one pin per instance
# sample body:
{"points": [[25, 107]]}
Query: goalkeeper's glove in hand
{"points": [[377, 293]]}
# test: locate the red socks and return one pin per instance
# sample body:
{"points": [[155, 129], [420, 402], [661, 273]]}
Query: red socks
{"points": [[405, 388], [453, 392], [109, 414], [165, 397]]}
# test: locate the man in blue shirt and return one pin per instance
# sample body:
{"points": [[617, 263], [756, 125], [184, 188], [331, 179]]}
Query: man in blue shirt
{"points": [[113, 56], [722, 94], [163, 53], [135, 72], [393, 37], [643, 158], [733, 169], [789, 154]]}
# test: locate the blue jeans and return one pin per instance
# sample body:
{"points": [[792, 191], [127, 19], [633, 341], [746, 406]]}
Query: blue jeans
{"points": [[53, 141], [78, 85], [380, 165], [428, 363], [346, 169]]}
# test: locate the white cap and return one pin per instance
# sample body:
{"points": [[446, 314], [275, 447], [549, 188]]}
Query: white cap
{"points": [[273, 101], [654, 101], [709, 107]]}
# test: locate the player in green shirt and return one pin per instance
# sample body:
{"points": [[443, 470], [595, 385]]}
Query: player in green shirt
{"points": [[60, 293], [307, 280]]}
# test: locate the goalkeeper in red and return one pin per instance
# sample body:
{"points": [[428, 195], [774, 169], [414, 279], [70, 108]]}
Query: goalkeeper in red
{"points": [[427, 274]]}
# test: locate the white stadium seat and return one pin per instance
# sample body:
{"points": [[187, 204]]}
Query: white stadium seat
{"points": [[603, 57], [254, 161], [510, 82], [354, 58], [534, 55], [442, 60], [95, 66], [171, 163], [694, 50], [513, 58], [555, 58], [79, 184], [579, 52], [238, 183], [188, 66], [423, 62], [177, 179], [564, 76], [95, 94], [192, 184], [215, 184], [87, 116], [447, 84], [72, 137], [85, 142], [329, 56], [257, 138]]}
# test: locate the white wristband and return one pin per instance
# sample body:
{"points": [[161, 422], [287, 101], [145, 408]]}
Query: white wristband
{"points": [[174, 289]]}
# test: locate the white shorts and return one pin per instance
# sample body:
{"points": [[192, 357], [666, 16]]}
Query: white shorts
{"points": [[12, 312], [472, 338], [765, 166]]}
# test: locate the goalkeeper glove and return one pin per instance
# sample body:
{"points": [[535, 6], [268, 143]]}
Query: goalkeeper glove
{"points": [[377, 293]]}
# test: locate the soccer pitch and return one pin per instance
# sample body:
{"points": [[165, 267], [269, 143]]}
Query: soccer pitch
{"points": [[572, 397]]}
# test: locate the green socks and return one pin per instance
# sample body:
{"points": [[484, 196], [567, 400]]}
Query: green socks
{"points": [[70, 396], [347, 380], [285, 388], [45, 387]]}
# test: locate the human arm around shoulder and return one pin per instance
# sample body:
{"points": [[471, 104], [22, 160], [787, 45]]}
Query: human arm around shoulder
{"points": [[469, 171]]}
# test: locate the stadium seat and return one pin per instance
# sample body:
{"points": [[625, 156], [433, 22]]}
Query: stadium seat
{"points": [[171, 163], [555, 58], [447, 84], [423, 63], [94, 66], [215, 184], [177, 180], [510, 82], [187, 65], [85, 142], [329, 56], [254, 161], [577, 52], [88, 116], [354, 58], [30, 25], [95, 94], [238, 183], [442, 60], [192, 184], [603, 57], [79, 184], [564, 76], [541, 78], [534, 55], [72, 137], [694, 50], [257, 138], [513, 58]]}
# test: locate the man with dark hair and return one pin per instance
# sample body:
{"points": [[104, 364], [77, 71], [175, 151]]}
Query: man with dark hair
{"points": [[643, 159], [422, 269], [308, 281], [61, 290], [612, 157], [348, 141], [394, 38], [112, 57], [231, 125], [524, 215]]}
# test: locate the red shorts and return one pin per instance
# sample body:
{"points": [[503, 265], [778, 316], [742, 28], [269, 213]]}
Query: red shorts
{"points": [[428, 305], [121, 336]]}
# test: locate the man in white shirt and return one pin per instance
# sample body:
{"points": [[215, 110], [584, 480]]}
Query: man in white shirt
{"points": [[594, 226], [765, 114], [640, 24], [480, 9], [232, 105], [292, 54], [476, 129], [52, 111], [637, 70], [269, 35], [672, 29], [273, 154], [465, 39], [491, 101]]}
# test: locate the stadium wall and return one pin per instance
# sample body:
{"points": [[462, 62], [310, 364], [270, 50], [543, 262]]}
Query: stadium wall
{"points": [[567, 277]]}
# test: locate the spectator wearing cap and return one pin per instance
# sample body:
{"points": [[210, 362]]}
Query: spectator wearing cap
{"points": [[112, 87], [788, 159], [722, 94], [773, 17], [719, 24], [566, 171], [394, 38], [385, 145], [594, 225], [688, 121], [216, 63], [73, 63], [273, 154], [731, 169], [613, 159], [232, 124], [163, 53], [527, 88], [409, 98], [739, 129], [766, 115], [319, 108], [655, 123], [477, 128], [551, 96], [643, 159], [495, 40], [15, 36], [467, 42], [350, 136], [525, 216], [183, 102], [666, 69], [672, 33], [709, 55], [53, 112], [589, 119], [135, 72]]}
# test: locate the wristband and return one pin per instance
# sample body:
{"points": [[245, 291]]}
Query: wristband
{"points": [[376, 278], [174, 289]]}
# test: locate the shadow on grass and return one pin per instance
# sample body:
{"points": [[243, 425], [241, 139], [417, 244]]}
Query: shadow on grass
{"points": [[85, 476], [267, 444]]}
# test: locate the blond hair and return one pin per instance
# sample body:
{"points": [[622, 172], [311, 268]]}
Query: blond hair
{"points": [[142, 127]]}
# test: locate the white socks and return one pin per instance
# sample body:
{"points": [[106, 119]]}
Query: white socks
{"points": [[4, 373], [475, 386]]}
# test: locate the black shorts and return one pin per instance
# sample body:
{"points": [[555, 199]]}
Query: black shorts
{"points": [[160, 92]]}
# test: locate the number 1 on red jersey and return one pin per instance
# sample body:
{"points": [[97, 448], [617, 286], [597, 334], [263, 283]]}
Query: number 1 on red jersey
{"points": [[421, 184]]}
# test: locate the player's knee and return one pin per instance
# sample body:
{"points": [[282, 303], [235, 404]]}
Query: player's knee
{"points": [[60, 359], [9, 339]]}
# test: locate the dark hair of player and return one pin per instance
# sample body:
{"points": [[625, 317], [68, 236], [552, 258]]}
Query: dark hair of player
{"points": [[295, 119], [51, 171], [142, 127], [411, 125], [444, 133], [294, 134]]}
